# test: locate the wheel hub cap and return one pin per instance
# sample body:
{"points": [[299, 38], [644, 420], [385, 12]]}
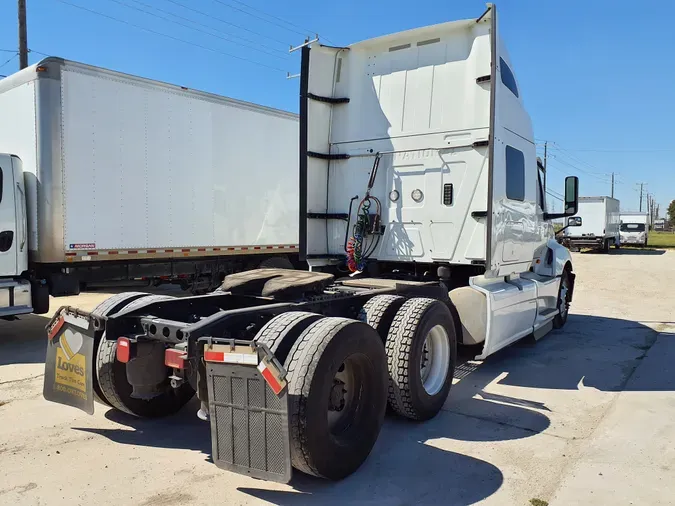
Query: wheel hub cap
{"points": [[435, 360]]}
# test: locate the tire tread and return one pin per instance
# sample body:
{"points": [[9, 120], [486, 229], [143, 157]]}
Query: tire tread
{"points": [[301, 367], [398, 347]]}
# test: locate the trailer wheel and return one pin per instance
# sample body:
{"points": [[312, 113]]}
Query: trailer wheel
{"points": [[338, 396], [564, 293], [421, 351], [112, 379], [281, 332], [109, 306], [379, 312], [277, 262]]}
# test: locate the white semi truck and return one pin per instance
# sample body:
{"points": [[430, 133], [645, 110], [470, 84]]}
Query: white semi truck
{"points": [[597, 224], [418, 176], [109, 177], [634, 228]]}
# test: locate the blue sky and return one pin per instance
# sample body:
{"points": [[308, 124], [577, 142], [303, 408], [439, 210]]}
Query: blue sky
{"points": [[596, 76]]}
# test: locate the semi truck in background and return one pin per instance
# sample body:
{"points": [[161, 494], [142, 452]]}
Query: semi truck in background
{"points": [[596, 225], [634, 228], [110, 177], [418, 177]]}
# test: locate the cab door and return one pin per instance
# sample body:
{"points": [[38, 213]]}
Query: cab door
{"points": [[9, 242]]}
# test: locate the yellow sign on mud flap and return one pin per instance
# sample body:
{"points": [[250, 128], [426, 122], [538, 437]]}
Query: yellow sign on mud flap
{"points": [[67, 368], [71, 368]]}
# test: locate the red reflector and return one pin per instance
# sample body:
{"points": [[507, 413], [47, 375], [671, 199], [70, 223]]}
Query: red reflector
{"points": [[271, 380], [175, 358], [214, 356], [55, 329], [123, 350]]}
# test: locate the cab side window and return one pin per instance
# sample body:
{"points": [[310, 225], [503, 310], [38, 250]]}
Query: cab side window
{"points": [[515, 174], [508, 79]]}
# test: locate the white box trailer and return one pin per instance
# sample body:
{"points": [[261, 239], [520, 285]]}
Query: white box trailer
{"points": [[634, 228], [418, 172], [596, 225], [127, 178]]}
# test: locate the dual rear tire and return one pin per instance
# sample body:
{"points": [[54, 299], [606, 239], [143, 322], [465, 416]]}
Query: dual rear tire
{"points": [[111, 386], [337, 389], [342, 373]]}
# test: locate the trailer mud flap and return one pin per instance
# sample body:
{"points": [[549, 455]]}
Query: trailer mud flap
{"points": [[249, 422], [69, 361]]}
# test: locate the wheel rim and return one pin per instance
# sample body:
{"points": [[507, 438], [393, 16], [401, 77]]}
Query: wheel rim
{"points": [[435, 360], [563, 303], [343, 396]]}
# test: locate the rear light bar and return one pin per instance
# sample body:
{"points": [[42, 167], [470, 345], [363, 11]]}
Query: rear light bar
{"points": [[175, 358], [123, 349], [55, 328], [268, 366]]}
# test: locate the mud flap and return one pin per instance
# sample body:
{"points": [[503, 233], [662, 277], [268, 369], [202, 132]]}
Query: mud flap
{"points": [[249, 422], [69, 361]]}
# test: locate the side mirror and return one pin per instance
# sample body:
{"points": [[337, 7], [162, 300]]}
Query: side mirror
{"points": [[571, 195], [574, 221], [571, 201]]}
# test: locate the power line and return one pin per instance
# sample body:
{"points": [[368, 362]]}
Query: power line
{"points": [[226, 22], [227, 39], [554, 196], [277, 18], [38, 52], [578, 160], [647, 150], [161, 34], [285, 53], [259, 17], [10, 59], [575, 167]]}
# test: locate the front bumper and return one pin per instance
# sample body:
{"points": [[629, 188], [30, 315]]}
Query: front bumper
{"points": [[585, 241], [633, 240]]}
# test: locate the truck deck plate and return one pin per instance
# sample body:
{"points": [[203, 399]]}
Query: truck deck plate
{"points": [[249, 423]]}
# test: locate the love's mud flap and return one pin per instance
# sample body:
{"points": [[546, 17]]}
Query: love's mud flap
{"points": [[69, 362]]}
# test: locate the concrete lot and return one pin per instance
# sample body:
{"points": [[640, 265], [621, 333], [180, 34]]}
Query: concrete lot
{"points": [[584, 416]]}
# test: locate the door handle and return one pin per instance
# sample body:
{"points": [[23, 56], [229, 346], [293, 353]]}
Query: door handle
{"points": [[24, 224]]}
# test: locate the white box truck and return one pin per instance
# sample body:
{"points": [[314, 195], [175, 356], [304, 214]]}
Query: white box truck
{"points": [[634, 228], [596, 225], [419, 174], [108, 176]]}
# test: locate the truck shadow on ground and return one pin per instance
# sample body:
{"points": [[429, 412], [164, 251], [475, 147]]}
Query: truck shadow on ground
{"points": [[625, 250], [412, 462], [23, 341]]}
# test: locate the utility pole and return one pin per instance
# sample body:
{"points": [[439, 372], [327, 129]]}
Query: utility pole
{"points": [[612, 184], [641, 188], [23, 36]]}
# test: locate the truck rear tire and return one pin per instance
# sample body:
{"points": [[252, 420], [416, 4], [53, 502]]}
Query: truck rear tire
{"points": [[109, 306], [379, 312], [281, 332], [337, 386], [421, 352], [277, 262], [605, 246], [112, 379], [39, 297]]}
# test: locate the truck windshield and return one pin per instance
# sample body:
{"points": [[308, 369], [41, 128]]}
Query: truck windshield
{"points": [[632, 227]]}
